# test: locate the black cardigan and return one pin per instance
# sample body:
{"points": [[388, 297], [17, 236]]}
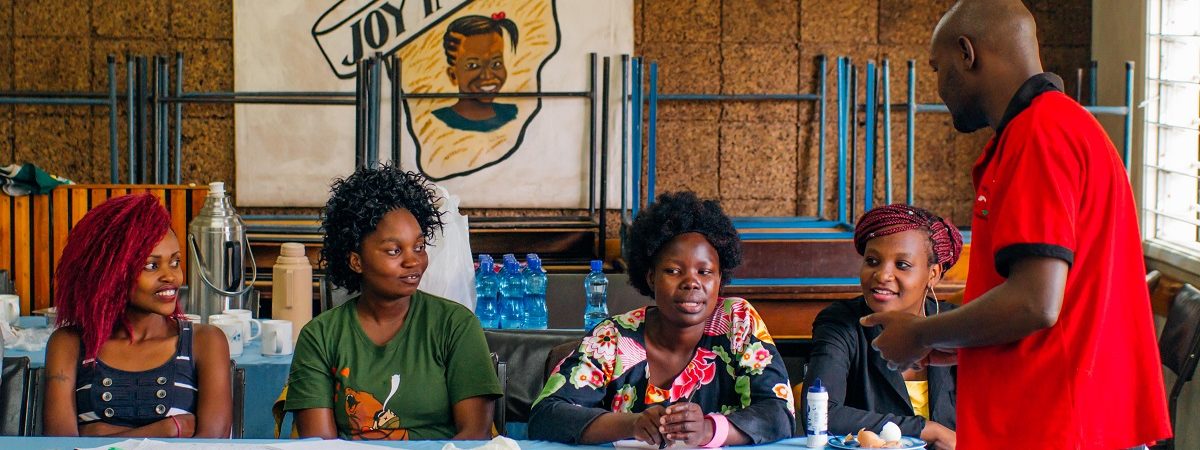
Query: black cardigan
{"points": [[863, 392]]}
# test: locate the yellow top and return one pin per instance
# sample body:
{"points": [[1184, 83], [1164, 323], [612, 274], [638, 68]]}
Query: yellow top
{"points": [[918, 394]]}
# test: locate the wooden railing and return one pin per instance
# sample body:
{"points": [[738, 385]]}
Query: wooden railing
{"points": [[34, 229]]}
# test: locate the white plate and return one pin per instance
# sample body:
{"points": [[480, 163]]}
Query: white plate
{"points": [[906, 443]]}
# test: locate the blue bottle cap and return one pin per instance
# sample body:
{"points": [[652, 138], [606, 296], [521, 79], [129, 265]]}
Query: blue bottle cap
{"points": [[531, 257], [512, 265], [534, 264], [597, 265], [485, 257], [816, 387]]}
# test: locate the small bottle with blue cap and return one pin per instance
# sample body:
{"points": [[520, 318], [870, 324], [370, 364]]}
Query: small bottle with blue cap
{"points": [[817, 414]]}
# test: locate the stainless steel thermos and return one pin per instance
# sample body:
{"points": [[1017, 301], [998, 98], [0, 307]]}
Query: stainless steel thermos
{"points": [[216, 265]]}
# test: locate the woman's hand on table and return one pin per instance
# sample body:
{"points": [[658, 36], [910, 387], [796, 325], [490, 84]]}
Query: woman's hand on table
{"points": [[938, 436], [645, 426], [685, 422]]}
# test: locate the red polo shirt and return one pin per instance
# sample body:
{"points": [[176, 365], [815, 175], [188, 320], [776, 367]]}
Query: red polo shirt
{"points": [[1051, 184]]}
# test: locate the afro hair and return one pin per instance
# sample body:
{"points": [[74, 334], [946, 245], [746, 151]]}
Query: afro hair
{"points": [[671, 215], [359, 202]]}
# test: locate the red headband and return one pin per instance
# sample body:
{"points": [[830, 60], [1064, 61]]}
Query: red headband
{"points": [[896, 218]]}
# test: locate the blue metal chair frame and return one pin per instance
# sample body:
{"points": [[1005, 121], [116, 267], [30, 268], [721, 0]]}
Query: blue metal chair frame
{"points": [[644, 98]]}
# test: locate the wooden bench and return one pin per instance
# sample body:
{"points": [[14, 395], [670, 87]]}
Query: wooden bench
{"points": [[34, 228]]}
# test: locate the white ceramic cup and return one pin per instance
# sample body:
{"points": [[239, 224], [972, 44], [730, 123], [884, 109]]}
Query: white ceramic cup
{"points": [[247, 319], [233, 334], [10, 308], [276, 337], [215, 317]]}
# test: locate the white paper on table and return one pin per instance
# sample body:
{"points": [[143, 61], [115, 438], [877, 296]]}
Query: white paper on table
{"points": [[497, 443], [309, 444]]}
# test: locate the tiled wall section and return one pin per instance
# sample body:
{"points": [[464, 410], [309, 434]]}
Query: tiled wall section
{"points": [[758, 158]]}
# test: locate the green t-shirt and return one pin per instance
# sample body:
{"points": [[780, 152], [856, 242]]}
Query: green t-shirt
{"points": [[405, 389]]}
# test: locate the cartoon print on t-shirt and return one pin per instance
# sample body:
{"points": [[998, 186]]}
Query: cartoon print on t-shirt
{"points": [[369, 418]]}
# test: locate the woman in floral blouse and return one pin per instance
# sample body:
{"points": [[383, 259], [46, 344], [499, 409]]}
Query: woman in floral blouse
{"points": [[694, 367]]}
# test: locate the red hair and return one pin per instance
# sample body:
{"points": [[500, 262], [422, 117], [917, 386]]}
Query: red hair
{"points": [[944, 238], [104, 255]]}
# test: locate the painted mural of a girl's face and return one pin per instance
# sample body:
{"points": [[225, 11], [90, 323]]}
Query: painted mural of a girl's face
{"points": [[474, 47], [479, 65]]}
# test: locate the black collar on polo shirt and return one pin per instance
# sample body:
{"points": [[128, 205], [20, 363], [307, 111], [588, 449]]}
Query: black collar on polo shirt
{"points": [[1033, 87]]}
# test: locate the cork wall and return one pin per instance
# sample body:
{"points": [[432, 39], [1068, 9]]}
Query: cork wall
{"points": [[62, 46], [761, 158], [758, 158]]}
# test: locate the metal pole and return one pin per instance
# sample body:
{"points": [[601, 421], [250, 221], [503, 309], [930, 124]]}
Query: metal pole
{"points": [[636, 168], [359, 120], [910, 119], [374, 94], [1092, 71], [114, 163], [1128, 144], [592, 135], [164, 120], [604, 158], [887, 130], [841, 142], [652, 161], [821, 63], [869, 143], [143, 152], [853, 161], [624, 135], [130, 112], [397, 97], [178, 118]]}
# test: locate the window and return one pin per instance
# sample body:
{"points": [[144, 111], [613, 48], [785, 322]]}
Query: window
{"points": [[1171, 196]]}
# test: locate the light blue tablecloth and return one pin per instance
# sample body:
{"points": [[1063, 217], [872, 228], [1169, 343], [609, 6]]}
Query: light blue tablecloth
{"points": [[265, 377], [42, 443]]}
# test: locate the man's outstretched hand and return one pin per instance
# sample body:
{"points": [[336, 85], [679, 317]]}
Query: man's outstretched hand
{"points": [[899, 343]]}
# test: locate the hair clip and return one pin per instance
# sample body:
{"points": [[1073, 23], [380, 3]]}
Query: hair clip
{"points": [[498, 16]]}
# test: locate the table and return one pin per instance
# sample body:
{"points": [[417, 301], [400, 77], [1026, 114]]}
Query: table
{"points": [[265, 377], [48, 443]]}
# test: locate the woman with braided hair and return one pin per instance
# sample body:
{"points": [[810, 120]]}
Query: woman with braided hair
{"points": [[124, 361], [906, 250]]}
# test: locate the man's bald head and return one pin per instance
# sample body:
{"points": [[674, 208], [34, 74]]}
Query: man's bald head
{"points": [[1003, 27], [983, 50]]}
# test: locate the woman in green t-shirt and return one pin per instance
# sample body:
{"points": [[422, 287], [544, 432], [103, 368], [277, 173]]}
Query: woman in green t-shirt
{"points": [[393, 362]]}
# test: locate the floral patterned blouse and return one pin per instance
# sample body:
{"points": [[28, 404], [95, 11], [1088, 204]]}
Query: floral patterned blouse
{"points": [[736, 371]]}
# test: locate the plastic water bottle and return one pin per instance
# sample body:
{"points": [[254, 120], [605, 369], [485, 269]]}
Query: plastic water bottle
{"points": [[817, 413], [535, 293], [486, 289], [512, 295], [595, 288]]}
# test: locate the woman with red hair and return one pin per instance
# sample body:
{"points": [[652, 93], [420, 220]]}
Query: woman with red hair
{"points": [[124, 361]]}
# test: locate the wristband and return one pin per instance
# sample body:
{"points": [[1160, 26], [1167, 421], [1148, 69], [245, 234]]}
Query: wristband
{"points": [[720, 430], [178, 429]]}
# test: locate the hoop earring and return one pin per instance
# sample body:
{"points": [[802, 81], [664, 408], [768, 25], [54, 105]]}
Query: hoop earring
{"points": [[936, 307]]}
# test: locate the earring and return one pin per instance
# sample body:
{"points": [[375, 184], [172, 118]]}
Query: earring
{"points": [[936, 307]]}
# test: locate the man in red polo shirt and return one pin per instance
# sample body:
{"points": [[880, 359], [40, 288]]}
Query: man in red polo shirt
{"points": [[1055, 341]]}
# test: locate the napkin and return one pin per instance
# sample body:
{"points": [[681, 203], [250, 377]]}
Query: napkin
{"points": [[497, 443]]}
